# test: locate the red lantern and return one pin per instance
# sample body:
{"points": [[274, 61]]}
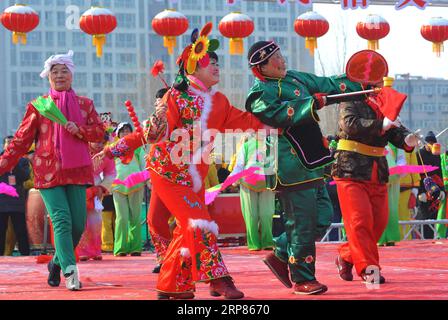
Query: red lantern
{"points": [[170, 24], [20, 19], [98, 22], [236, 26], [373, 28], [436, 31], [311, 25]]}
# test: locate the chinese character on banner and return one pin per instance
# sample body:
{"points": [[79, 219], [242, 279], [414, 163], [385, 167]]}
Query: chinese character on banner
{"points": [[354, 4], [303, 2], [421, 4]]}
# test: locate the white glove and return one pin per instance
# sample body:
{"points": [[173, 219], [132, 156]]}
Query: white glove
{"points": [[387, 123], [415, 192], [411, 140], [442, 196], [422, 197]]}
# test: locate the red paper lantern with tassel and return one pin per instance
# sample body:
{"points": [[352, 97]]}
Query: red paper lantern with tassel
{"points": [[170, 24], [236, 26], [20, 19], [373, 28], [98, 22], [311, 26], [436, 31]]}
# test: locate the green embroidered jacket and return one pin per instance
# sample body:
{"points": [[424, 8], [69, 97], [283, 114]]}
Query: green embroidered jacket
{"points": [[288, 104]]}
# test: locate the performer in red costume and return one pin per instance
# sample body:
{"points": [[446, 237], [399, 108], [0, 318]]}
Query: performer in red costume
{"points": [[178, 168], [361, 174]]}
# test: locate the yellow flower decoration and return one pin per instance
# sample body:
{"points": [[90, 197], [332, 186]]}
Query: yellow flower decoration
{"points": [[198, 51]]}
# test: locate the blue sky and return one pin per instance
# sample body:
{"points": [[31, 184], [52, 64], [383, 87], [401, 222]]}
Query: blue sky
{"points": [[404, 48]]}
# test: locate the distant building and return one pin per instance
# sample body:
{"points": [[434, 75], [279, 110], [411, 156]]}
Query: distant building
{"points": [[427, 105], [123, 71]]}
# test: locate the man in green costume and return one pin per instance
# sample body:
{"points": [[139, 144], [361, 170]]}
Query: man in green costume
{"points": [[288, 100]]}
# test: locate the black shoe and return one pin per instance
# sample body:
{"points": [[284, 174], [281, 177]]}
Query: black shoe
{"points": [[157, 268], [136, 254], [54, 276], [121, 254]]}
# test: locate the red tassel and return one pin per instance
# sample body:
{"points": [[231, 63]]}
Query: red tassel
{"points": [[258, 74], [157, 68]]}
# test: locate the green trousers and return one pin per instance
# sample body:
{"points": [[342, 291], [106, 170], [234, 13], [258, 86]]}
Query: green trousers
{"points": [[392, 231], [441, 228], [297, 244], [68, 212], [128, 234], [258, 209], [324, 211]]}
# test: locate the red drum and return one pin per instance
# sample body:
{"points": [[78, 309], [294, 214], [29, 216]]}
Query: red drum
{"points": [[226, 211], [35, 217]]}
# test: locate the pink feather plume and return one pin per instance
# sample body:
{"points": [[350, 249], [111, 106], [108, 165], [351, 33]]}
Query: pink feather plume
{"points": [[8, 190], [133, 179]]}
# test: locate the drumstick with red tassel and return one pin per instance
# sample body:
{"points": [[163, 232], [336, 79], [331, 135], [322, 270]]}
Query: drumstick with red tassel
{"points": [[157, 70]]}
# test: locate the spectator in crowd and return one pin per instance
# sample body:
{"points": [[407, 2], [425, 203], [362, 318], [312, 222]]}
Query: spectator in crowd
{"points": [[128, 201], [12, 207]]}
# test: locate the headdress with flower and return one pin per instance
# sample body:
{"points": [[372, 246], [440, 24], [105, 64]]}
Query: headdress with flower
{"points": [[197, 52]]}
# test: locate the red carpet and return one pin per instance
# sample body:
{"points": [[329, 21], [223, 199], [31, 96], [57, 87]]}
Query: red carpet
{"points": [[413, 269]]}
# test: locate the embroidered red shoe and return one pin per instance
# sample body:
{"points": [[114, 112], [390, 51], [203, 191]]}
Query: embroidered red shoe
{"points": [[188, 295], [225, 287], [344, 268], [278, 268], [310, 287]]}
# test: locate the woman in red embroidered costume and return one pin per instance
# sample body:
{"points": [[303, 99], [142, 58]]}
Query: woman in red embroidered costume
{"points": [[178, 176]]}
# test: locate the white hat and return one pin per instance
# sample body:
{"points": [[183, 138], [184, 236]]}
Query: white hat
{"points": [[66, 59]]}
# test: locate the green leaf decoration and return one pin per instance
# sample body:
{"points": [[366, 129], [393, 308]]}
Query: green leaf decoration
{"points": [[213, 45], [48, 109]]}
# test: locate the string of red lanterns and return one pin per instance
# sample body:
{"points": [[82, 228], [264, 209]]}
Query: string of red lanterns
{"points": [[98, 22]]}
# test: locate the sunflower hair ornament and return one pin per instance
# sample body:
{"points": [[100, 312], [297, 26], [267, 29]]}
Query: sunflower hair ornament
{"points": [[197, 52]]}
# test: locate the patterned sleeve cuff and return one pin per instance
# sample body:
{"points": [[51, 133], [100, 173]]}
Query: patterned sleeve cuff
{"points": [[156, 129], [119, 149]]}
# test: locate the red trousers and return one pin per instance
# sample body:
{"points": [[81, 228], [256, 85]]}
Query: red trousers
{"points": [[193, 254], [158, 216], [365, 211]]}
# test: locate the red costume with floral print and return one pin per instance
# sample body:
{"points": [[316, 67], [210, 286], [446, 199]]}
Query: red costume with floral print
{"points": [[179, 184]]}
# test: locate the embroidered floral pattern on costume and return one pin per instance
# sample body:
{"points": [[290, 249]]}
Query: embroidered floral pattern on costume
{"points": [[297, 92], [190, 109], [342, 87], [119, 149], [209, 263], [290, 112], [161, 245], [184, 281], [155, 129], [309, 259]]}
